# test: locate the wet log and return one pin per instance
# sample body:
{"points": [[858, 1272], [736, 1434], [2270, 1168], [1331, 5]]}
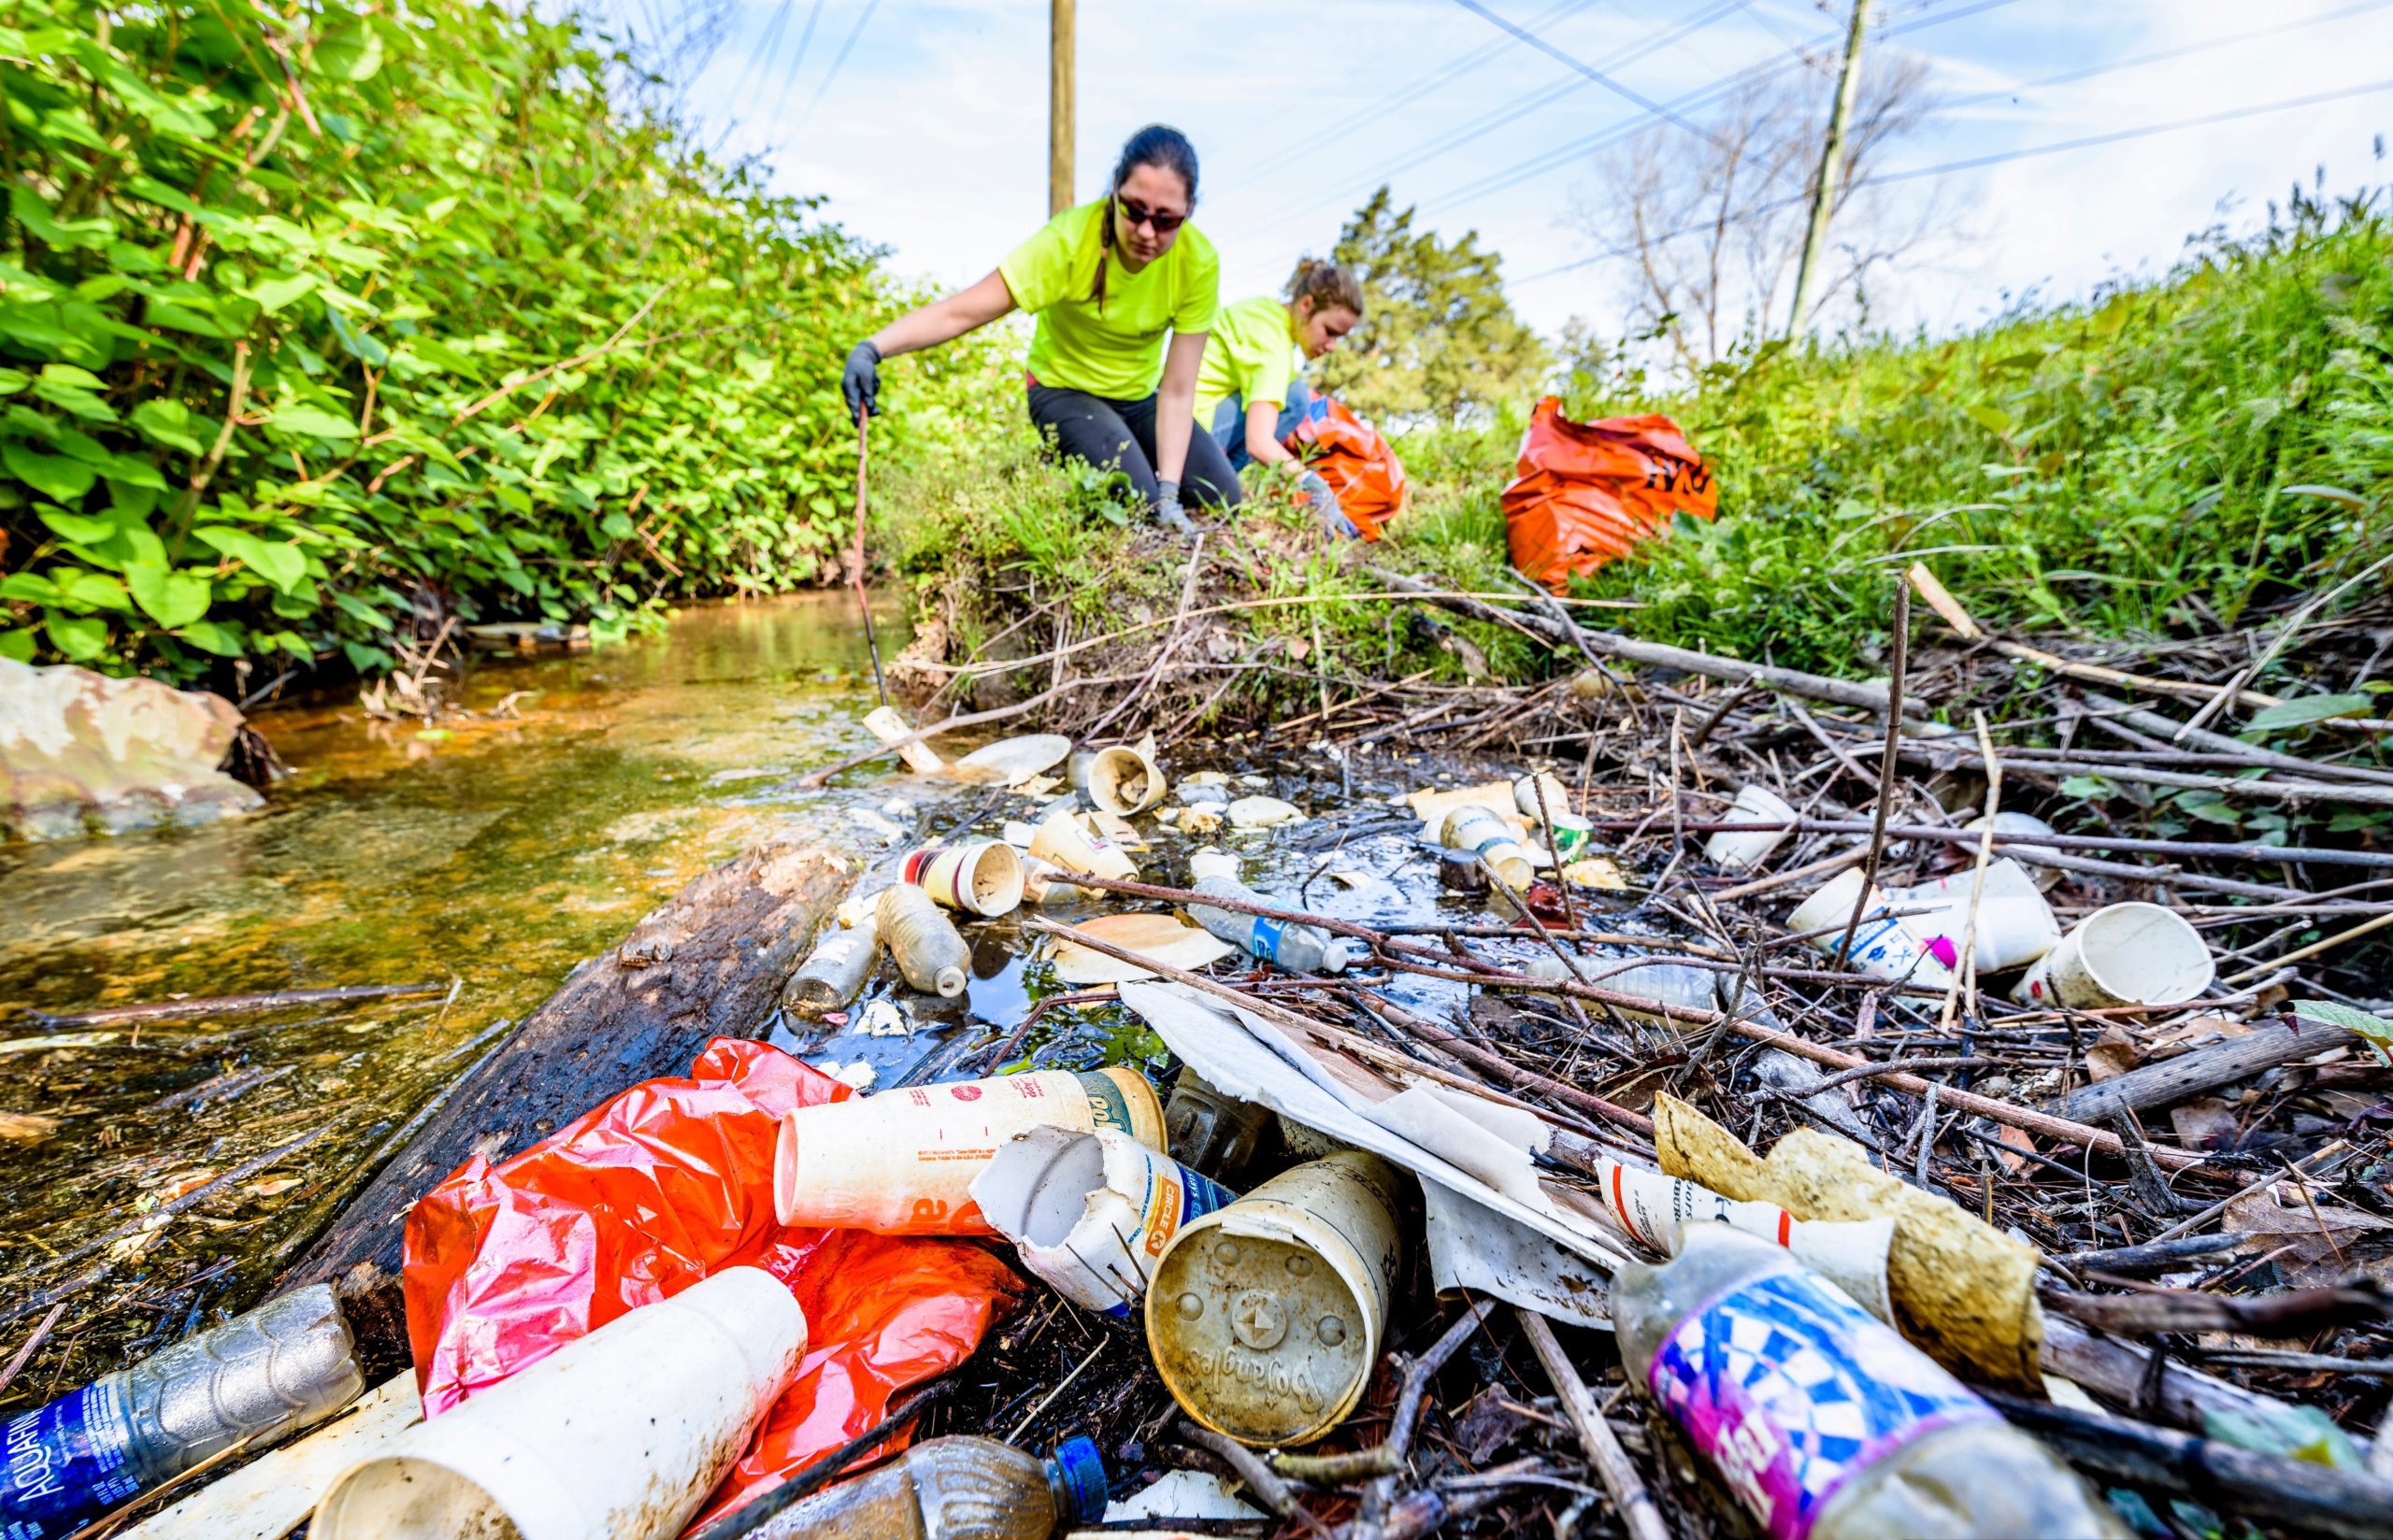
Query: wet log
{"points": [[709, 963]]}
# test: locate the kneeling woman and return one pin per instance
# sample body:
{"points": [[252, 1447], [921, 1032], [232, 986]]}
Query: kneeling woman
{"points": [[1107, 280], [1250, 393]]}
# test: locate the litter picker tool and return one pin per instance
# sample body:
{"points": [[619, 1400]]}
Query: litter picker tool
{"points": [[864, 420]]}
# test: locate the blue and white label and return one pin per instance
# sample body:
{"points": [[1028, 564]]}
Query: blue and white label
{"points": [[67, 1463], [1792, 1390], [1265, 942]]}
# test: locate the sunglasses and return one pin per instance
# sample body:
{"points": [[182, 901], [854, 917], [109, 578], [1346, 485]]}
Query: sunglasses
{"points": [[1137, 213]]}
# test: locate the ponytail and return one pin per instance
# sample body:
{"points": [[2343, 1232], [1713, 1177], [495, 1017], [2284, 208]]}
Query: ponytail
{"points": [[1157, 145], [1329, 287]]}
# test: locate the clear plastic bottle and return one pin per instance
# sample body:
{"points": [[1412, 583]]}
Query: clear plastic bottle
{"points": [[258, 1377], [1288, 944], [1826, 1423], [835, 971], [930, 951], [959, 1488]]}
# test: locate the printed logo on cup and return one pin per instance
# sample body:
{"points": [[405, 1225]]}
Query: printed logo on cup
{"points": [[967, 1092]]}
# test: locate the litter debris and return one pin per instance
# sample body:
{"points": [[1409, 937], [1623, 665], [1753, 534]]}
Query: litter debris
{"points": [[929, 952], [1882, 945], [885, 1018], [1262, 813], [1182, 1494], [1126, 780], [1490, 838], [1161, 938], [1742, 850], [1062, 842], [834, 972], [980, 876], [884, 723], [2128, 954], [1091, 1213], [903, 1163], [1298, 948], [1013, 762], [957, 1488]]}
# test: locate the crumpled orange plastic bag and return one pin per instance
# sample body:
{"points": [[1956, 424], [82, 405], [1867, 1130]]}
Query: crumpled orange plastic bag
{"points": [[1354, 459], [642, 1196], [1586, 492]]}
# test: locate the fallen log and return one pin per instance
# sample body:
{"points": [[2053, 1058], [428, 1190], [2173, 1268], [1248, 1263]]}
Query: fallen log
{"points": [[2173, 1080], [707, 963]]}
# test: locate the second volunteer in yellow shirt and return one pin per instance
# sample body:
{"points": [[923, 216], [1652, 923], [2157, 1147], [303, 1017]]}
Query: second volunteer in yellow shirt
{"points": [[1109, 280], [1249, 391]]}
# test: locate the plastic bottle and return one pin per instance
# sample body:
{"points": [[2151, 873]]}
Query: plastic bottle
{"points": [[1288, 944], [959, 1488], [1826, 1423], [257, 1377], [836, 969], [1209, 1132], [925, 942]]}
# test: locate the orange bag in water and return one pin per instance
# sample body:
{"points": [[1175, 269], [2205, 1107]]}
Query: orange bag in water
{"points": [[1586, 492], [1355, 460], [647, 1193]]}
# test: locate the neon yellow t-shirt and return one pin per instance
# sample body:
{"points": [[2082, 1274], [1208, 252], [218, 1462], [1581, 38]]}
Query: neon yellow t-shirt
{"points": [[1253, 356], [1115, 351]]}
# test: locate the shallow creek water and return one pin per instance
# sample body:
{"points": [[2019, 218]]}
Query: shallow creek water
{"points": [[490, 854]]}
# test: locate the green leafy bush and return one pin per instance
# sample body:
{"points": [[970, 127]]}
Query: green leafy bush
{"points": [[311, 324]]}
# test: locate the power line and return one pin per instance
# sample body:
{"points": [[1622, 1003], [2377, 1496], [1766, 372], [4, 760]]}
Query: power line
{"points": [[1445, 74], [1653, 109], [837, 65], [1980, 162], [804, 43], [2164, 55], [1702, 96]]}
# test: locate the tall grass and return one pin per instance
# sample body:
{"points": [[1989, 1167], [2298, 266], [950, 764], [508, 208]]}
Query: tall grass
{"points": [[2147, 465]]}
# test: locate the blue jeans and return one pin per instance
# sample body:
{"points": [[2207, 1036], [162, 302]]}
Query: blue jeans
{"points": [[1229, 422]]}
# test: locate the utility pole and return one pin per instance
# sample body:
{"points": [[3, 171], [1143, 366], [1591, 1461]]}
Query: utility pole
{"points": [[1816, 239], [1059, 106]]}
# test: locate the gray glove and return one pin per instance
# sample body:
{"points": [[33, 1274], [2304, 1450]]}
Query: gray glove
{"points": [[860, 381], [1168, 512], [1324, 503]]}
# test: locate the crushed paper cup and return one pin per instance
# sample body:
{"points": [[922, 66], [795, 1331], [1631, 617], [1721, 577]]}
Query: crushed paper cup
{"points": [[1091, 1213]]}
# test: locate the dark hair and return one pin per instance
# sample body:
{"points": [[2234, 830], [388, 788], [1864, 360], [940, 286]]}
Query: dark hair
{"points": [[1158, 145], [1329, 287]]}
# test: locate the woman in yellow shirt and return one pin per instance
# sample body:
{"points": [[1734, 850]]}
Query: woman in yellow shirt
{"points": [[1108, 281], [1249, 392]]}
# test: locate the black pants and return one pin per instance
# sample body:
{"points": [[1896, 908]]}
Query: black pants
{"points": [[1121, 435]]}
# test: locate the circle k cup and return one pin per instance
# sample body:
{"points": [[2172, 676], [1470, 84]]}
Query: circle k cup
{"points": [[2128, 954], [980, 876]]}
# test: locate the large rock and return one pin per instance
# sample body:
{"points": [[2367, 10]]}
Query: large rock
{"points": [[83, 751]]}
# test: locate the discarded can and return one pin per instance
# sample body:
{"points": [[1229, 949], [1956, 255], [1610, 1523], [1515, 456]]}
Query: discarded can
{"points": [[1459, 872], [2128, 954], [1062, 840], [903, 1163], [834, 972], [1265, 1316], [1091, 1213], [1489, 836], [1524, 793], [1826, 1422], [1126, 780], [957, 1488], [929, 952], [1210, 1132], [617, 1436], [982, 877], [1883, 947], [1742, 850], [254, 1380]]}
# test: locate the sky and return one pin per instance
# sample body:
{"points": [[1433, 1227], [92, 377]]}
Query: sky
{"points": [[923, 122]]}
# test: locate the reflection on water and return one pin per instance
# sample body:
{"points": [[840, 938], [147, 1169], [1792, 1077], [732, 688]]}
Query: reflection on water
{"points": [[492, 855]]}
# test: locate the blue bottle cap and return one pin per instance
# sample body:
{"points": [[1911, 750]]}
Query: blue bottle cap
{"points": [[1082, 1469]]}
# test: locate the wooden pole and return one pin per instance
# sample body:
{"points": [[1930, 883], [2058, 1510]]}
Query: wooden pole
{"points": [[1816, 239], [1059, 106]]}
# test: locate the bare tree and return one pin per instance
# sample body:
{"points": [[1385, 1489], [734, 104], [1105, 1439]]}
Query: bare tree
{"points": [[1712, 229]]}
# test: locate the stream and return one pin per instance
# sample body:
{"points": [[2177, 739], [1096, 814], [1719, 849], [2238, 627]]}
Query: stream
{"points": [[489, 855]]}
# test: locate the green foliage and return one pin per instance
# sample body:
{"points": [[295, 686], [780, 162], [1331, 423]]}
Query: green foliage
{"points": [[1438, 342], [2143, 466], [301, 316]]}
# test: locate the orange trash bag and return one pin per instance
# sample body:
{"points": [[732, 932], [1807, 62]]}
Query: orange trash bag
{"points": [[1354, 459], [649, 1193], [1586, 492]]}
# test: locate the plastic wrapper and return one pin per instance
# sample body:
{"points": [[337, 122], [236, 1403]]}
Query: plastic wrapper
{"points": [[644, 1195], [1356, 460], [1584, 493]]}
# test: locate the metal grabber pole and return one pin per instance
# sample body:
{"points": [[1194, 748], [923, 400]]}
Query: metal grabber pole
{"points": [[864, 420]]}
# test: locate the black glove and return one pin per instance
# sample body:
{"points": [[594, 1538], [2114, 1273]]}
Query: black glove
{"points": [[1168, 512], [860, 383]]}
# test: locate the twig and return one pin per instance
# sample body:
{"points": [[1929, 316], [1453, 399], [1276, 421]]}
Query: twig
{"points": [[231, 1004], [1886, 775], [1613, 1466]]}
